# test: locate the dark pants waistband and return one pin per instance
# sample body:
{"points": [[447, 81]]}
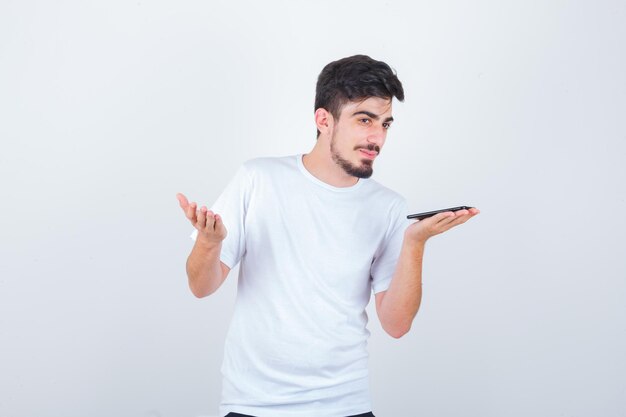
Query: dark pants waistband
{"points": [[246, 415]]}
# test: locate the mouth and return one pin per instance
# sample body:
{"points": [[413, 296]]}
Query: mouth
{"points": [[368, 154]]}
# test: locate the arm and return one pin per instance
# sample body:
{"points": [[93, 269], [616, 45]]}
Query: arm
{"points": [[204, 270], [397, 307]]}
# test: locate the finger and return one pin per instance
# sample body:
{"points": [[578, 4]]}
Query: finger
{"points": [[448, 221], [220, 228], [191, 213], [444, 218], [182, 200], [201, 218], [219, 224], [210, 220], [457, 221], [437, 217], [466, 216], [460, 220]]}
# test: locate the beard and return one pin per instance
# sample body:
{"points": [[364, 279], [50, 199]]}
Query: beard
{"points": [[364, 170]]}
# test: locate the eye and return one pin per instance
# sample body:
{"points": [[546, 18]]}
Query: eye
{"points": [[386, 125], [365, 121]]}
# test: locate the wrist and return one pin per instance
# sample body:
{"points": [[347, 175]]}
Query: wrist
{"points": [[415, 240], [208, 244], [414, 247]]}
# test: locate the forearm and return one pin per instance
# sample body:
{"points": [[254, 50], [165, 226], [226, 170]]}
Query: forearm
{"points": [[404, 295], [204, 269]]}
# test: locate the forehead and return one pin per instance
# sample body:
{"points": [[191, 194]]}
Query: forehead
{"points": [[376, 105]]}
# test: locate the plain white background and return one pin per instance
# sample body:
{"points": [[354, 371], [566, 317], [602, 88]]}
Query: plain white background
{"points": [[108, 109]]}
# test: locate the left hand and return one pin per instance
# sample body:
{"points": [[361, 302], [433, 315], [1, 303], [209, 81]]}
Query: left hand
{"points": [[423, 230]]}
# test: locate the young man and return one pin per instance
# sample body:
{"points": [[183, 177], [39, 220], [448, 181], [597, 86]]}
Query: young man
{"points": [[314, 237]]}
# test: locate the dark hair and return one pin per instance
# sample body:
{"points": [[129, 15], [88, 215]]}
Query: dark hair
{"points": [[355, 78]]}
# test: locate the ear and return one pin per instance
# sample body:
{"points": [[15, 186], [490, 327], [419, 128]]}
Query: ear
{"points": [[324, 120]]}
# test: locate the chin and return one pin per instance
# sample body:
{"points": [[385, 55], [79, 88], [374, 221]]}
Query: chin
{"points": [[363, 170]]}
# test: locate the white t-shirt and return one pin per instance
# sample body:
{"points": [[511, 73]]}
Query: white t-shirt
{"points": [[310, 255]]}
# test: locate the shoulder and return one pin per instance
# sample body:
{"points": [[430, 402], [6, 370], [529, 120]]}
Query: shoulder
{"points": [[269, 165], [385, 194]]}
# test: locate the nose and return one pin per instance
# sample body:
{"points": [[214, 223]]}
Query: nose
{"points": [[377, 136]]}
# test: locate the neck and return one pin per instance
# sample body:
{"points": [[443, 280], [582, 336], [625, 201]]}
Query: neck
{"points": [[321, 165]]}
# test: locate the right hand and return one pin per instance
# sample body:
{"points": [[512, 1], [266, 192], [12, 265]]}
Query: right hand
{"points": [[209, 225]]}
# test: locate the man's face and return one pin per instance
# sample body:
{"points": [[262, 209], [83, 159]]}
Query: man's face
{"points": [[359, 135]]}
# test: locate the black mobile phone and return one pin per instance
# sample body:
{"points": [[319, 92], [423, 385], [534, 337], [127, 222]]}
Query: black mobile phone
{"points": [[422, 216]]}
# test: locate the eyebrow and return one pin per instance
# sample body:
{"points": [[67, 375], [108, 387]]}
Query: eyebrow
{"points": [[372, 115]]}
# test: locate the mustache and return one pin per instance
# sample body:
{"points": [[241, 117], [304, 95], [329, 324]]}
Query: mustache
{"points": [[369, 147]]}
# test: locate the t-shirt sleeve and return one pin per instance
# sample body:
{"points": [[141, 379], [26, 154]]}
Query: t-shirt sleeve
{"points": [[232, 206], [386, 257]]}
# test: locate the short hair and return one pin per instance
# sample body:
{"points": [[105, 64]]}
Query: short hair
{"points": [[354, 78]]}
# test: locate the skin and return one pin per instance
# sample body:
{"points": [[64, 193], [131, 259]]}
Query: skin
{"points": [[205, 271], [344, 152]]}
